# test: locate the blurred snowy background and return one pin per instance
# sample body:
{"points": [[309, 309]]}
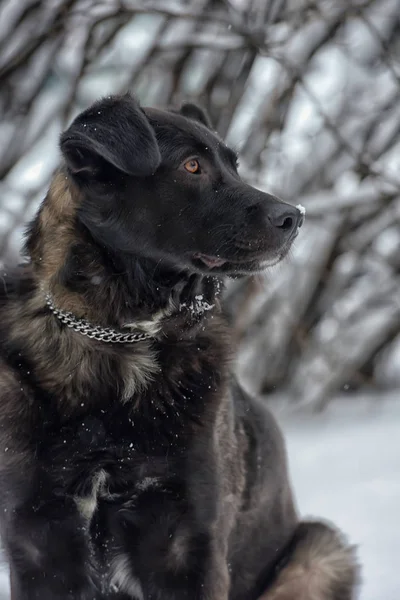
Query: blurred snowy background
{"points": [[309, 92]]}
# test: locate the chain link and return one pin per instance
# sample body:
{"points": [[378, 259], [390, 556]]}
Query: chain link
{"points": [[94, 332]]}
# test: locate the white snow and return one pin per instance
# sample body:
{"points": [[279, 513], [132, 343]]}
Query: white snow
{"points": [[301, 209], [345, 467], [147, 482]]}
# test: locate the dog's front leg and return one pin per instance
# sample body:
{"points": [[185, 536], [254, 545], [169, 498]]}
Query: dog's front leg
{"points": [[48, 552], [185, 570], [217, 582], [214, 585]]}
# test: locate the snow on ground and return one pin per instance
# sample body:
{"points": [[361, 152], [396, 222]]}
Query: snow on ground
{"points": [[4, 595], [345, 466]]}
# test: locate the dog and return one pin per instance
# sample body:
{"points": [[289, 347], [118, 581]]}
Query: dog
{"points": [[133, 465]]}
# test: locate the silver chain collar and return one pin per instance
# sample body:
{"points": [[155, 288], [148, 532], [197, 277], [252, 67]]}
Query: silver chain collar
{"points": [[94, 332]]}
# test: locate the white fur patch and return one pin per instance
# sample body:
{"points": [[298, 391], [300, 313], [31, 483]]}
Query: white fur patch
{"points": [[88, 504], [121, 577], [151, 326], [137, 370]]}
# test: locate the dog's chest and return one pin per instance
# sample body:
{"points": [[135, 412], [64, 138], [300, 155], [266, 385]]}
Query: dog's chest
{"points": [[118, 511], [108, 456], [136, 523], [130, 493]]}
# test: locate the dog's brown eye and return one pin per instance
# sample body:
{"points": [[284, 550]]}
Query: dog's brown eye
{"points": [[192, 166]]}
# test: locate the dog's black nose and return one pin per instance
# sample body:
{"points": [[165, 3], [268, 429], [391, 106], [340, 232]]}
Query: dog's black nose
{"points": [[285, 217]]}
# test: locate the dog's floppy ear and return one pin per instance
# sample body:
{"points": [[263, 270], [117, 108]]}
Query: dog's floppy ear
{"points": [[192, 111], [114, 131]]}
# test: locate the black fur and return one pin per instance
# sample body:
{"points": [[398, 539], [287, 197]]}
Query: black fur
{"points": [[98, 139], [140, 470]]}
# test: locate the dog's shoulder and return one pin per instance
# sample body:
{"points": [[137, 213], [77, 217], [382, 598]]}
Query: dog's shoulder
{"points": [[15, 283], [257, 418], [263, 439], [16, 287]]}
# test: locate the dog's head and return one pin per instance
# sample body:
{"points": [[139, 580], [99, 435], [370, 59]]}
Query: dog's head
{"points": [[163, 185]]}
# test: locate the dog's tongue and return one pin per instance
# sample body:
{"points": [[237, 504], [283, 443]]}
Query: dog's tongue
{"points": [[211, 261]]}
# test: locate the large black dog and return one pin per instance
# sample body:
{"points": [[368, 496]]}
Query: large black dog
{"points": [[132, 464]]}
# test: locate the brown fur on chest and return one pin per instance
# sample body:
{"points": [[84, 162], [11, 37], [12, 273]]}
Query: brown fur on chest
{"points": [[73, 368]]}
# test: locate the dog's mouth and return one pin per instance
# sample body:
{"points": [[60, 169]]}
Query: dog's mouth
{"points": [[212, 262], [247, 264], [246, 259]]}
